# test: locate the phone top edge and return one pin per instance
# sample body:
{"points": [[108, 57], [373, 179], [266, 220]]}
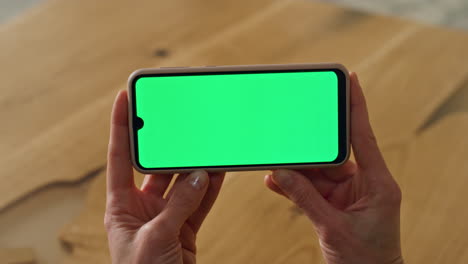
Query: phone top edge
{"points": [[228, 68]]}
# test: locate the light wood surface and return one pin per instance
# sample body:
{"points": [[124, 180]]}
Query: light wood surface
{"points": [[58, 103], [434, 183], [35, 221], [63, 62], [17, 256], [83, 52], [86, 235]]}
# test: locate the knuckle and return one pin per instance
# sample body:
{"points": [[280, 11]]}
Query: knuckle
{"points": [[370, 138], [107, 221], [181, 201], [111, 198], [145, 232], [162, 226], [335, 235], [162, 223], [114, 151], [301, 198], [358, 101], [329, 236], [184, 198], [394, 195]]}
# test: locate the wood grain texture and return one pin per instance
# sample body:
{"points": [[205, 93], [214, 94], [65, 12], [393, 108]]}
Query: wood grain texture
{"points": [[62, 65], [84, 50], [17, 256], [434, 184], [86, 235]]}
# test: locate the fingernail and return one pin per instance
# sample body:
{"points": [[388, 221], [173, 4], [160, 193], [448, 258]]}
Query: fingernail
{"points": [[282, 177], [198, 179]]}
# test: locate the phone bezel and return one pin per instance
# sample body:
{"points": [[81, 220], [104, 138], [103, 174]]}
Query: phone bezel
{"points": [[343, 111]]}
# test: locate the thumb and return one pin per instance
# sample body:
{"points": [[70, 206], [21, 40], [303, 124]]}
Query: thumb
{"points": [[303, 193], [188, 192]]}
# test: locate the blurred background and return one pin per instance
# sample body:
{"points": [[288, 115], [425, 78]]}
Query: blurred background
{"points": [[62, 61], [451, 13]]}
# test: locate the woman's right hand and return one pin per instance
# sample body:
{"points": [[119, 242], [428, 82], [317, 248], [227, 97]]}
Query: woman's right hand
{"points": [[355, 208]]}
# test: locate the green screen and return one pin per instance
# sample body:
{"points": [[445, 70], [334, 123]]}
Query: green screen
{"points": [[237, 119]]}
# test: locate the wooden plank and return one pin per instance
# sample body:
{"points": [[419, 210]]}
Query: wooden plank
{"points": [[85, 104], [404, 66], [434, 185], [81, 256], [69, 53], [61, 66], [17, 256], [407, 84], [86, 234]]}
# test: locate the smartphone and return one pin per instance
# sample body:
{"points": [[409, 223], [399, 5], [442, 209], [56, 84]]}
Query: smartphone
{"points": [[231, 118]]}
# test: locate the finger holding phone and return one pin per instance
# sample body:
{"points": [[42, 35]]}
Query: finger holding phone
{"points": [[143, 224], [355, 208]]}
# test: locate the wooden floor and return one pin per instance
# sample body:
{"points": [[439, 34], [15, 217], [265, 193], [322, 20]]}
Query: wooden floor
{"points": [[63, 62]]}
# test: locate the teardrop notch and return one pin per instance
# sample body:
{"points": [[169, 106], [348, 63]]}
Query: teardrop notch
{"points": [[138, 123]]}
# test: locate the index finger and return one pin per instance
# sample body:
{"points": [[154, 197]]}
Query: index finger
{"points": [[119, 167]]}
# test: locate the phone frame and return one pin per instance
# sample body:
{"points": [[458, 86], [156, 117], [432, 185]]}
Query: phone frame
{"points": [[344, 140]]}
